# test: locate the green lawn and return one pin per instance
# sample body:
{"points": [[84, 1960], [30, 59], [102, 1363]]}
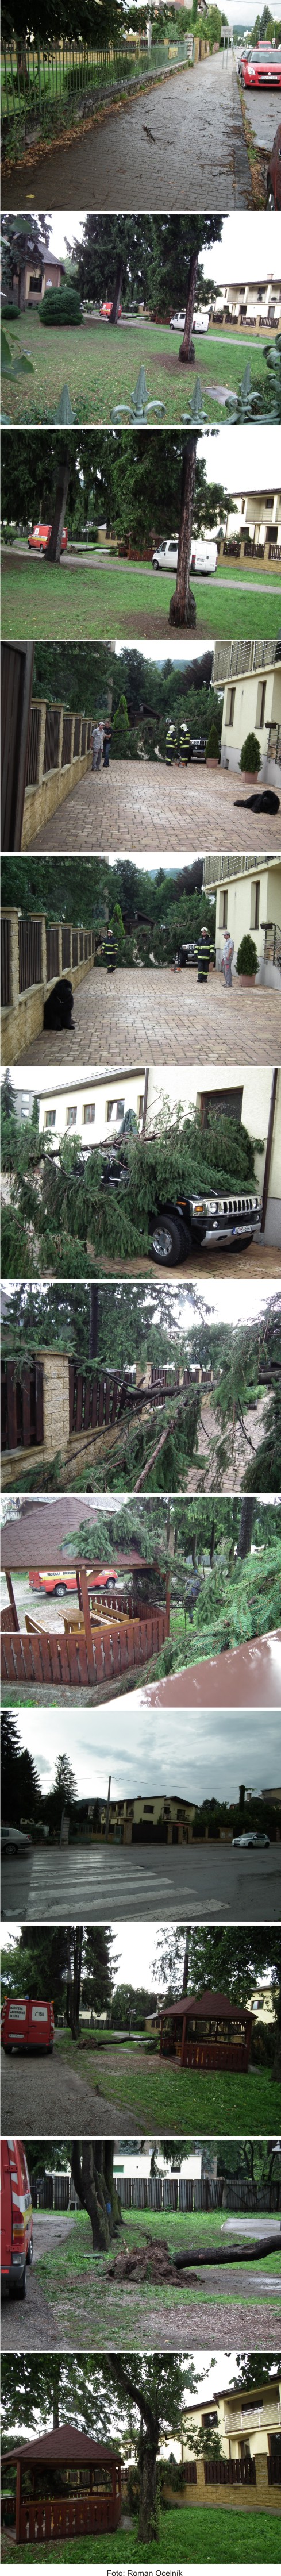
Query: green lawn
{"points": [[100, 367], [173, 2101], [86, 2303], [186, 2535], [70, 600]]}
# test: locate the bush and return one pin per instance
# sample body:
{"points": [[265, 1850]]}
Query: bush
{"points": [[250, 757], [212, 745], [247, 960], [60, 307], [263, 2044], [10, 313]]}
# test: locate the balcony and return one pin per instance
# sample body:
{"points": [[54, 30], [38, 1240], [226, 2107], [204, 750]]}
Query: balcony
{"points": [[218, 871]]}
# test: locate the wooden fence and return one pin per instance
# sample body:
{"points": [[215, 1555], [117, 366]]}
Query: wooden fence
{"points": [[95, 1401], [230, 2473], [21, 1406], [74, 1661], [170, 2191], [58, 2518]]}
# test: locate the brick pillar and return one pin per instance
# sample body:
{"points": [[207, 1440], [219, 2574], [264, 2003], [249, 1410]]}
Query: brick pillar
{"points": [[41, 740], [13, 918], [55, 1399]]}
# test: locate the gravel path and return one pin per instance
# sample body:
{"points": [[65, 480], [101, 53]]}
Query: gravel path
{"points": [[54, 2098]]}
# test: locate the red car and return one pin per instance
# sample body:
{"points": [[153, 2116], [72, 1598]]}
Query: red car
{"points": [[57, 1583], [273, 174], [106, 309], [263, 68], [40, 536]]}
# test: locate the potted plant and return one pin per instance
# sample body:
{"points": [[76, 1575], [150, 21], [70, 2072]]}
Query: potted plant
{"points": [[247, 960], [212, 752], [250, 759]]}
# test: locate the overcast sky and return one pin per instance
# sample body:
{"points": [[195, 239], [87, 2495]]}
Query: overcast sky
{"points": [[163, 1752], [249, 246]]}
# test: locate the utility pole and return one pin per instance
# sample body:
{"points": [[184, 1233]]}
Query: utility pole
{"points": [[107, 1810]]}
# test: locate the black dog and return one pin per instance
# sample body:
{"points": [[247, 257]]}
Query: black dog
{"points": [[59, 1006], [268, 803]]}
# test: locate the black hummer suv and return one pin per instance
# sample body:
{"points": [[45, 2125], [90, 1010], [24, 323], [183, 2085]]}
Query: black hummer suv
{"points": [[232, 1218]]}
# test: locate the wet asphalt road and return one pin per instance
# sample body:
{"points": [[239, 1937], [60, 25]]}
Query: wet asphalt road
{"points": [[30, 2325], [48, 2098], [180, 143], [146, 1881]]}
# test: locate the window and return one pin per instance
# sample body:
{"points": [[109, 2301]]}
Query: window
{"points": [[71, 1116], [225, 1103], [50, 1118], [261, 698], [89, 1113], [25, 1104], [211, 2418], [230, 705], [140, 1105], [257, 907], [35, 285], [224, 912], [115, 1109], [148, 1805]]}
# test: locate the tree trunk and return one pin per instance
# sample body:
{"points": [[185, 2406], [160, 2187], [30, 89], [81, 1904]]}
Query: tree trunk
{"points": [[74, 1980], [94, 1323], [188, 1929], [148, 2523], [92, 2171], [52, 552], [21, 292], [182, 610], [113, 316], [57, 2367], [246, 1524], [187, 351]]}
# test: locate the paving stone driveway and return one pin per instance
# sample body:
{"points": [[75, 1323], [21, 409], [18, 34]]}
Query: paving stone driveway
{"points": [[138, 805], [158, 1017]]}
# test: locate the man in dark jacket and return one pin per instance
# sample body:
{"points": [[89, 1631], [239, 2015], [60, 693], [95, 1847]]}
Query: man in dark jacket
{"points": [[204, 952], [171, 744], [184, 745]]}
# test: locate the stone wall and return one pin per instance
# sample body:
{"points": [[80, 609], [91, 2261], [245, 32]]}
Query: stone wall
{"points": [[22, 1017], [260, 2498]]}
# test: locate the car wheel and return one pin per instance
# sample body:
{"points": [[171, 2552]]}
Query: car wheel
{"points": [[50, 2050], [6, 2045], [29, 2257], [59, 1589], [41, 550], [167, 1243]]}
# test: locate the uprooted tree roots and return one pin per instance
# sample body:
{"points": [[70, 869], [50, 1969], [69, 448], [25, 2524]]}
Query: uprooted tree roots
{"points": [[147, 2262]]}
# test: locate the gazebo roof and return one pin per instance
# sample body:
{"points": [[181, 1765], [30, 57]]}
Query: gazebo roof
{"points": [[64, 2443], [37, 1537], [211, 2001]]}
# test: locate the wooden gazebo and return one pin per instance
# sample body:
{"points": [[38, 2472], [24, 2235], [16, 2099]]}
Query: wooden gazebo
{"points": [[66, 2485], [207, 2030], [100, 1637]]}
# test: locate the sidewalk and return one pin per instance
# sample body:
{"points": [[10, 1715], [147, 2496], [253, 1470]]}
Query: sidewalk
{"points": [[141, 805], [151, 1015], [181, 142]]}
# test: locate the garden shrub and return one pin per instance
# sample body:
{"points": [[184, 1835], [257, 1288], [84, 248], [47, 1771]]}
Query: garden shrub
{"points": [[250, 757], [10, 312], [60, 307], [212, 745], [120, 731], [247, 960]]}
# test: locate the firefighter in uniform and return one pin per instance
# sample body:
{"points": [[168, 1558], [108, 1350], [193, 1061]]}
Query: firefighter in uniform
{"points": [[171, 745], [204, 952], [110, 951], [184, 745]]}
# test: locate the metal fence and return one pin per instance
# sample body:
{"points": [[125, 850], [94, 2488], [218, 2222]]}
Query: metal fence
{"points": [[39, 84], [5, 963]]}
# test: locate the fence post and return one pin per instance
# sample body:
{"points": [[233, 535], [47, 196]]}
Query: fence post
{"points": [[14, 958], [60, 737], [55, 1400], [41, 740], [60, 946]]}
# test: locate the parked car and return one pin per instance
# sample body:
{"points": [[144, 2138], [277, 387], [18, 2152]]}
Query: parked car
{"points": [[248, 1842], [16, 2217], [263, 68], [39, 538], [193, 1219], [273, 174], [12, 1840], [58, 1584], [200, 320], [106, 309], [203, 559], [26, 2023]]}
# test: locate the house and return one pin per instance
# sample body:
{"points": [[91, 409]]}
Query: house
{"points": [[42, 271], [231, 657], [92, 1103], [246, 2423], [165, 1820], [264, 1999], [248, 898], [253, 527], [252, 704], [249, 308]]}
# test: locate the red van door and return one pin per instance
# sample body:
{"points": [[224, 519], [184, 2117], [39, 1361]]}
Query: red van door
{"points": [[16, 2217]]}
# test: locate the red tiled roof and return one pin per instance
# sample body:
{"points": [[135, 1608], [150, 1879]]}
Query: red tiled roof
{"points": [[36, 1537], [209, 2002], [64, 2443]]}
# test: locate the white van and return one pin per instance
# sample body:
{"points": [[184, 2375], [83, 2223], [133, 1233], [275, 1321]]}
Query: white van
{"points": [[200, 320], [203, 559]]}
